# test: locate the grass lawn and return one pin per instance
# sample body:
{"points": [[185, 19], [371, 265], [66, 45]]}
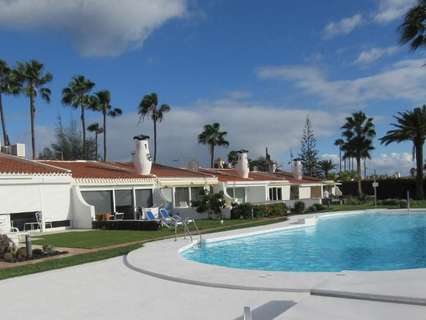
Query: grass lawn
{"points": [[99, 239], [66, 261], [104, 238]]}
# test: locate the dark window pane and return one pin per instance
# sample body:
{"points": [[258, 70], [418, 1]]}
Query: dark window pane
{"points": [[181, 197], [196, 193], [144, 198], [124, 203], [102, 200]]}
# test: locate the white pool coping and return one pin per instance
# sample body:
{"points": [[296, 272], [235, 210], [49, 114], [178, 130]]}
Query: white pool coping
{"points": [[163, 259]]}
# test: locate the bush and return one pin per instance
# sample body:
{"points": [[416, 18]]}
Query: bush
{"points": [[270, 210], [299, 207], [126, 225], [403, 204], [242, 211], [247, 210], [316, 207], [390, 202]]}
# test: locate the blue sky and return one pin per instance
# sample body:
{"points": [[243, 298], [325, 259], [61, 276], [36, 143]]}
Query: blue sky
{"points": [[257, 69]]}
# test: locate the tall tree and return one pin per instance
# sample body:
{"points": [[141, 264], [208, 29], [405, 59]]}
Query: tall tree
{"points": [[413, 28], [97, 130], [359, 132], [102, 102], [77, 95], [67, 144], [326, 166], [340, 143], [149, 107], [308, 150], [8, 85], [411, 126], [213, 137], [32, 79]]}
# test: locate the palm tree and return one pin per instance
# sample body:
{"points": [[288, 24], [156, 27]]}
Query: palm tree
{"points": [[7, 86], [359, 132], [102, 102], [149, 106], [413, 28], [77, 95], [97, 130], [411, 126], [326, 166], [212, 136], [32, 79], [339, 143]]}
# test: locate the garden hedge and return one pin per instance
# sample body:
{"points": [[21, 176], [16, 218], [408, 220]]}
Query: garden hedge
{"points": [[388, 188]]}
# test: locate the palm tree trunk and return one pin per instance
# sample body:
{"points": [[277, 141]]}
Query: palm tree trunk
{"points": [[358, 170], [419, 176], [340, 160], [155, 141], [3, 123], [83, 126], [32, 116], [105, 133], [211, 156], [96, 145]]}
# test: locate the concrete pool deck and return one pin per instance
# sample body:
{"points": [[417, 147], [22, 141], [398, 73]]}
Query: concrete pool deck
{"points": [[162, 259]]}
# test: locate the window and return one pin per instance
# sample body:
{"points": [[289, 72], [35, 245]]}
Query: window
{"points": [[196, 193], [144, 198], [102, 200], [238, 194], [316, 192], [124, 203], [275, 194], [294, 192], [181, 197]]}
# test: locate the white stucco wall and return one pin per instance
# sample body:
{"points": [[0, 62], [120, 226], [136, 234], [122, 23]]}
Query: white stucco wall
{"points": [[82, 213], [256, 194], [26, 193]]}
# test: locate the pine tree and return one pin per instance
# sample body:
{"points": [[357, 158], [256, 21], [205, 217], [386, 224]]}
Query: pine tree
{"points": [[308, 150]]}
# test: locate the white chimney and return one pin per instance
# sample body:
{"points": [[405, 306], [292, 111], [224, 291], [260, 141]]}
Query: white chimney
{"points": [[297, 169], [142, 158], [242, 164]]}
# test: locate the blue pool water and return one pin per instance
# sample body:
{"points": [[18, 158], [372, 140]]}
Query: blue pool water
{"points": [[367, 241]]}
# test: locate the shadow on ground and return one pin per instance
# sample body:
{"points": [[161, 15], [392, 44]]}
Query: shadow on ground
{"points": [[270, 310]]}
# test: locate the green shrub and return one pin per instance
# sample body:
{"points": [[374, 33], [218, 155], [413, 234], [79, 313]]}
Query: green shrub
{"points": [[390, 202], [319, 206], [299, 207], [242, 211], [403, 204], [270, 210], [312, 209]]}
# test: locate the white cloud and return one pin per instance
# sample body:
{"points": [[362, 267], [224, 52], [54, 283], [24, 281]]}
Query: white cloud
{"points": [[374, 54], [383, 163], [403, 80], [342, 27], [248, 125], [390, 10], [97, 27]]}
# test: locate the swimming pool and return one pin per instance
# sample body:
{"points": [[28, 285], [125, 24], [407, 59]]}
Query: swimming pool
{"points": [[366, 242]]}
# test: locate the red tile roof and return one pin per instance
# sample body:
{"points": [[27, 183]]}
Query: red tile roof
{"points": [[289, 176], [120, 170], [226, 175], [15, 165], [95, 169]]}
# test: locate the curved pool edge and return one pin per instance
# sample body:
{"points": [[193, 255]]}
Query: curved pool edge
{"points": [[162, 259]]}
